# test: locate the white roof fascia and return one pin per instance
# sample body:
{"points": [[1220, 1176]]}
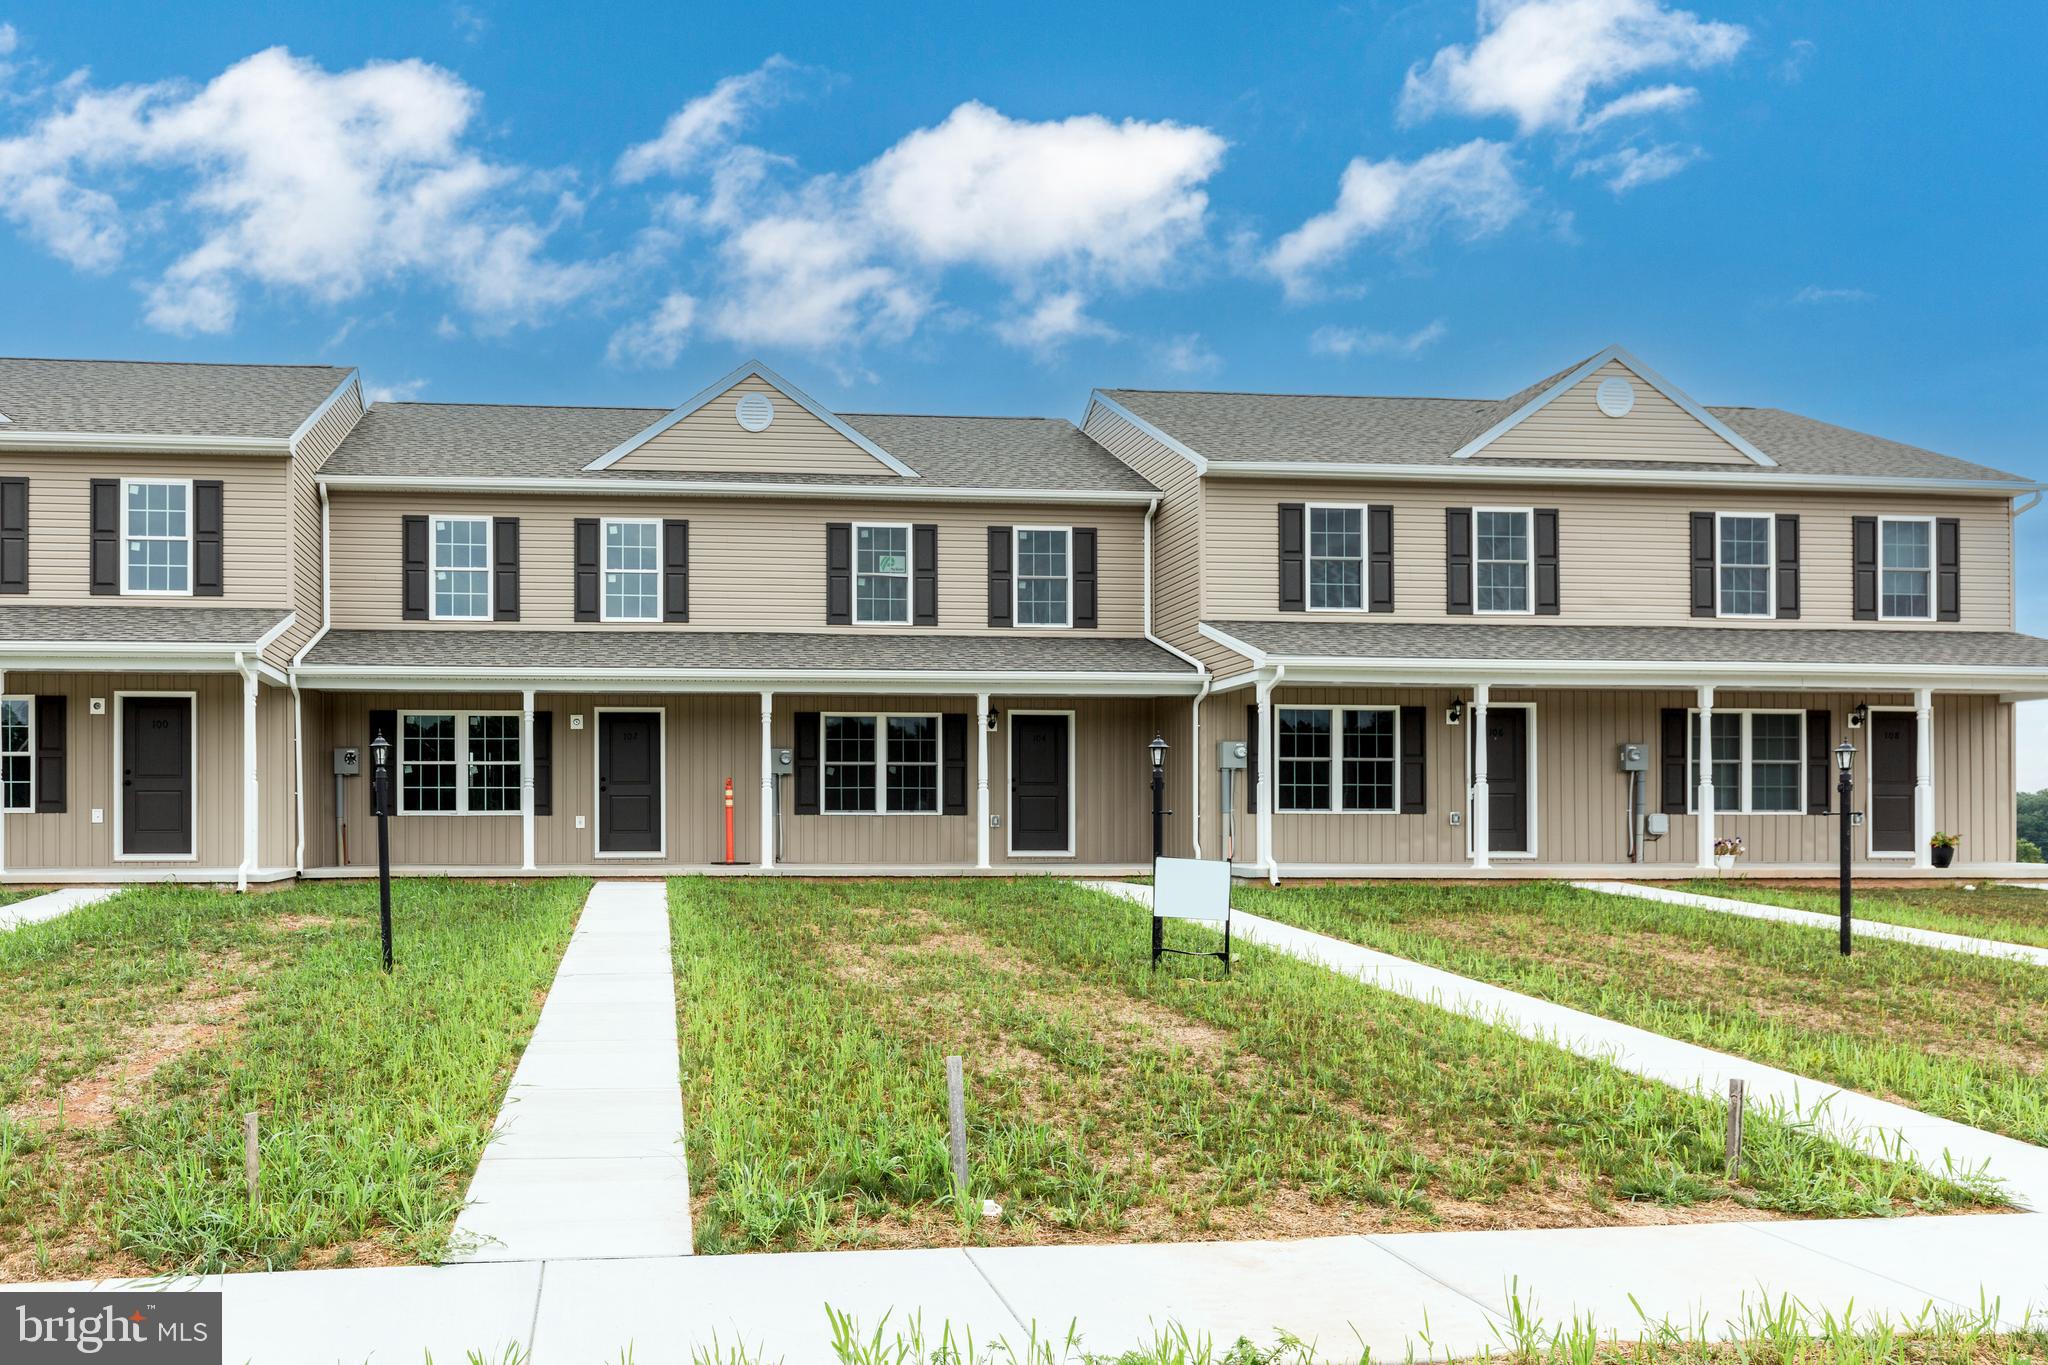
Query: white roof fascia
{"points": [[116, 442], [922, 683], [1676, 478], [726, 488], [349, 381], [1180, 448], [1674, 673]]}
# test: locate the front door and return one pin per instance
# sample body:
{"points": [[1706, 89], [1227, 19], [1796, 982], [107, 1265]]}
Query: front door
{"points": [[629, 782], [1894, 770], [156, 776], [1038, 785], [1507, 779]]}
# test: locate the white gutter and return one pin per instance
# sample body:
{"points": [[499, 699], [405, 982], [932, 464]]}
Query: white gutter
{"points": [[96, 441], [727, 488], [923, 683], [1749, 478]]}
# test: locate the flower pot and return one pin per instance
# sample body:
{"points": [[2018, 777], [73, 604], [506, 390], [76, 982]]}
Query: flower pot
{"points": [[1724, 861], [1944, 855]]}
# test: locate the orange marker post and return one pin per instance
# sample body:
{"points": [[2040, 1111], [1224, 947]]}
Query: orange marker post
{"points": [[728, 820]]}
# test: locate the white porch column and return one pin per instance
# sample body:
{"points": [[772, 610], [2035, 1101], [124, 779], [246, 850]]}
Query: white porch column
{"points": [[1481, 812], [768, 811], [1704, 797], [526, 784], [981, 810], [252, 812], [1265, 788], [1923, 778]]}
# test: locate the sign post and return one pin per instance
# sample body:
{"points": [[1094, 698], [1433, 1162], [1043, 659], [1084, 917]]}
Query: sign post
{"points": [[1190, 888]]}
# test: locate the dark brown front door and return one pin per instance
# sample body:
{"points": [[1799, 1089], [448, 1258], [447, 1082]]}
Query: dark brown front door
{"points": [[629, 782], [1507, 779], [156, 776], [1038, 785], [1894, 769]]}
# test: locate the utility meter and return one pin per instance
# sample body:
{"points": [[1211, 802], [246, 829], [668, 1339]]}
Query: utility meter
{"points": [[785, 761], [1231, 754], [348, 761], [1635, 758]]}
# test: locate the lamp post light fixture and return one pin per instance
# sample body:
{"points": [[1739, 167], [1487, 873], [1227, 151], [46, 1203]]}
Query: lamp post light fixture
{"points": [[1157, 750], [380, 798], [1845, 785]]}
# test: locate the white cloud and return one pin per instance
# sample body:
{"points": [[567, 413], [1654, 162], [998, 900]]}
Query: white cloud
{"points": [[1792, 69], [1055, 320], [1189, 354], [808, 282], [9, 39], [657, 339], [1350, 341], [1539, 61], [1814, 293], [1627, 168], [706, 123], [1471, 188], [1655, 99], [404, 391]]}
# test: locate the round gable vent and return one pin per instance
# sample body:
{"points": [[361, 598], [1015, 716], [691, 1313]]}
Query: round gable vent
{"points": [[755, 411], [1616, 396]]}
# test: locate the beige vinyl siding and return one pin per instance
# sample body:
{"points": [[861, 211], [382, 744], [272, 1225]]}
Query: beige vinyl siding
{"points": [[1572, 427], [1340, 837], [882, 839], [754, 565], [276, 778], [1624, 552], [1224, 718], [305, 544], [1975, 776], [711, 440], [1111, 773]]}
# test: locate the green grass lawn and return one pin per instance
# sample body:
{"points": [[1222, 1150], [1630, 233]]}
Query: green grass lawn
{"points": [[134, 1035], [1960, 1036], [1110, 1103], [2012, 914]]}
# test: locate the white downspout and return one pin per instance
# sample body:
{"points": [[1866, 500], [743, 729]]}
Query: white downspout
{"points": [[298, 776], [526, 782], [981, 809], [1264, 778], [768, 810], [1195, 766], [251, 809], [1195, 727]]}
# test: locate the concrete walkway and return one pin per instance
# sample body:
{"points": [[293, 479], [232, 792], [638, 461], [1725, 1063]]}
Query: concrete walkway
{"points": [[587, 1160], [1861, 928], [53, 905]]}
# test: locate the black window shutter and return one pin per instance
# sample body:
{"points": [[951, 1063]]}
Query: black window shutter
{"points": [[953, 756], [505, 568], [1084, 577], [1293, 557], [1948, 569], [1379, 528], [413, 549], [1251, 760], [675, 571], [106, 536], [207, 497], [13, 535], [999, 575], [924, 582], [806, 763], [839, 573], [543, 763], [1458, 561], [1546, 561], [384, 723], [1788, 567], [1863, 548], [1820, 762], [50, 741], [1414, 760], [589, 572], [1704, 598], [1676, 760]]}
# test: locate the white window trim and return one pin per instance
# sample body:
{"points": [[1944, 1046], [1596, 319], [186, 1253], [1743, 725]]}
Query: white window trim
{"points": [[909, 574], [1866, 763], [604, 527], [434, 566], [1692, 785], [120, 802], [881, 761], [1017, 579], [1309, 556], [1528, 607], [461, 763], [28, 809], [191, 543], [1336, 762], [1770, 613], [1010, 849], [597, 848], [1932, 570]]}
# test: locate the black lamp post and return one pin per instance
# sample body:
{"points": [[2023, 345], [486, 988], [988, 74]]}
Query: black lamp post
{"points": [[380, 797], [1845, 784], [1157, 748]]}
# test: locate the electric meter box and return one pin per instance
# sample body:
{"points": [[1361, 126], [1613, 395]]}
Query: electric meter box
{"points": [[785, 761], [1230, 754], [1635, 758], [348, 761]]}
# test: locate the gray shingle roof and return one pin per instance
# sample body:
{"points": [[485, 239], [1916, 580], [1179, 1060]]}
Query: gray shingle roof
{"points": [[1528, 642], [197, 625], [149, 398], [1024, 652], [485, 440]]}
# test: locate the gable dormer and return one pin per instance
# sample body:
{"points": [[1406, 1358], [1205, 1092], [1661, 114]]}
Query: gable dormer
{"points": [[753, 421], [1612, 407]]}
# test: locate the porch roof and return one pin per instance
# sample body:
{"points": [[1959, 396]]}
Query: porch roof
{"points": [[135, 624]]}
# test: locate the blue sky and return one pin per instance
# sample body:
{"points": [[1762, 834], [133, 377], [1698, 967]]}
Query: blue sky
{"points": [[992, 209]]}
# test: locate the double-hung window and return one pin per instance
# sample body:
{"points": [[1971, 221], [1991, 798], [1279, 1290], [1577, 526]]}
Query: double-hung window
{"points": [[1757, 759], [1044, 575], [1344, 758], [17, 753], [1336, 558], [462, 568], [1745, 566], [881, 764], [1905, 560], [157, 527], [632, 570], [1500, 560], [460, 762], [881, 575]]}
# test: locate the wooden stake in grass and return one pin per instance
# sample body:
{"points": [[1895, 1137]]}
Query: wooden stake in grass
{"points": [[956, 1101], [1734, 1127], [250, 1158]]}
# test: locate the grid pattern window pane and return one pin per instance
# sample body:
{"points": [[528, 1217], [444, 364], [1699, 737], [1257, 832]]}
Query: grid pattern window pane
{"points": [[462, 574], [1500, 564], [159, 547], [632, 578], [913, 778], [1336, 558], [881, 574], [1303, 755], [1041, 578], [493, 767], [849, 763], [17, 756], [1727, 760], [427, 775], [1745, 566], [1369, 765], [1906, 556], [1777, 742]]}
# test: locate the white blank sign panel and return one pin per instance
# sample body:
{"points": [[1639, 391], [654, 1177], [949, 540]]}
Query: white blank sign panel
{"points": [[1191, 888]]}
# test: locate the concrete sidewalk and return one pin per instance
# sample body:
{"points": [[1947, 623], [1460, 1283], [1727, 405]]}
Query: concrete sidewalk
{"points": [[53, 905]]}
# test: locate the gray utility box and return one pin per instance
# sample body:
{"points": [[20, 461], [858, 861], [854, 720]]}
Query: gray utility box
{"points": [[785, 761], [1230, 755], [1635, 758], [348, 761]]}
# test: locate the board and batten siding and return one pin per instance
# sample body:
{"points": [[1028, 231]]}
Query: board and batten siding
{"points": [[276, 778], [711, 440], [1624, 552], [1572, 427], [305, 548]]}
